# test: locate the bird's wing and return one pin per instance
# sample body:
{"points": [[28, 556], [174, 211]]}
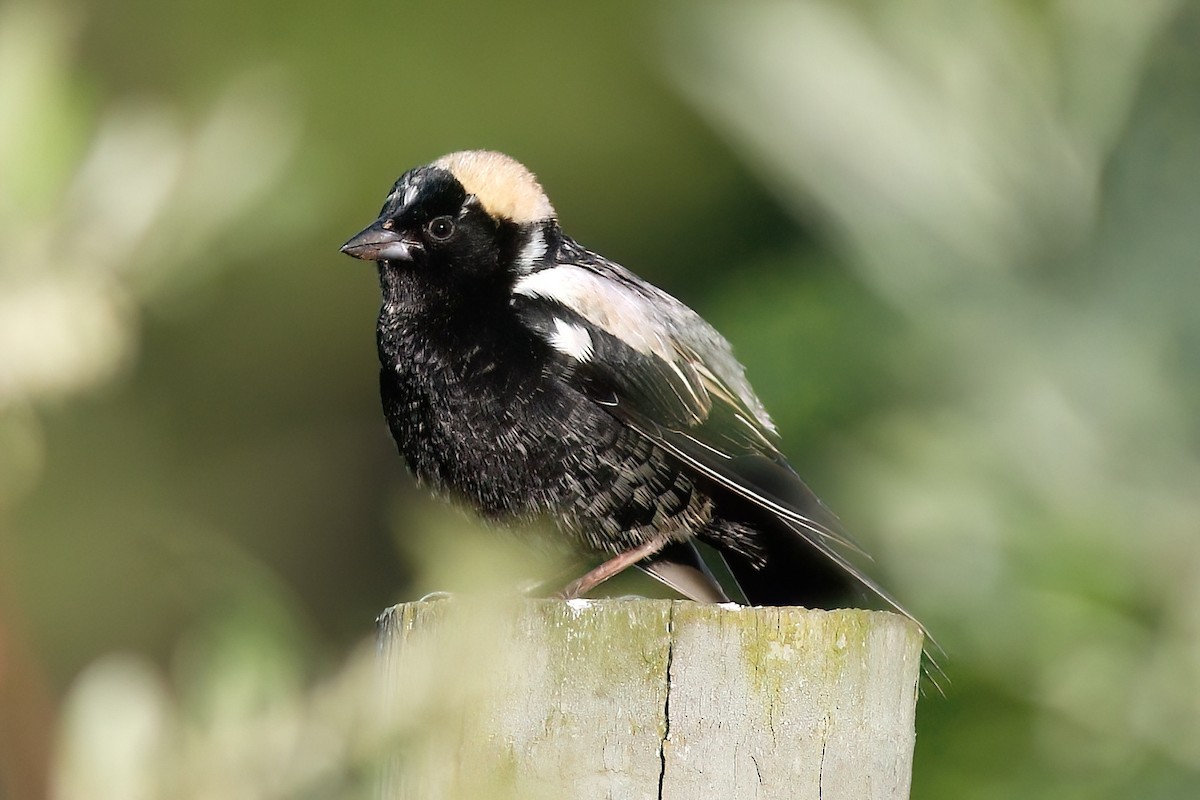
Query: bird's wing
{"points": [[661, 369], [672, 364]]}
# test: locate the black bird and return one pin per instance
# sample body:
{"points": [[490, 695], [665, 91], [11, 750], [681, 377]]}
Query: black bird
{"points": [[529, 377]]}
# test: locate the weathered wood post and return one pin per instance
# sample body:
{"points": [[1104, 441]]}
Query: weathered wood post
{"points": [[648, 699]]}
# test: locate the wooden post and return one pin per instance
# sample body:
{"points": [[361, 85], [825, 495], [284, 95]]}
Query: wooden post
{"points": [[648, 699]]}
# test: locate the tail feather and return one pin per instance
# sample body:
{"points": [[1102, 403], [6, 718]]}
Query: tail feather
{"points": [[784, 569]]}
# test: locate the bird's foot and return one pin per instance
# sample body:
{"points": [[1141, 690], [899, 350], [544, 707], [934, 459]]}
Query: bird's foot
{"points": [[593, 578]]}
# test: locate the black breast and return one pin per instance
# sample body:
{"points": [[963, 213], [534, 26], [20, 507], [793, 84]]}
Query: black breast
{"points": [[483, 414], [462, 403]]}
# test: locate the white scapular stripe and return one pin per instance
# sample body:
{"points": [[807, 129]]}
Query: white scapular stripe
{"points": [[604, 304]]}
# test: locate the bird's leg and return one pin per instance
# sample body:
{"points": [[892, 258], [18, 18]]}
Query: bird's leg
{"points": [[614, 565]]}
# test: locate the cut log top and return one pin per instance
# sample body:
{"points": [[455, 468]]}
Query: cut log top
{"points": [[648, 699]]}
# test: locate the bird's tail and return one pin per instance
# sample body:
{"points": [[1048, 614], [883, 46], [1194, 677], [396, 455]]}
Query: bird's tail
{"points": [[783, 569]]}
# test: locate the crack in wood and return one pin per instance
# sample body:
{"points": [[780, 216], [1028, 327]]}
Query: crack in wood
{"points": [[662, 745]]}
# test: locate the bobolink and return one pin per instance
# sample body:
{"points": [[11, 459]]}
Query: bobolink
{"points": [[527, 376]]}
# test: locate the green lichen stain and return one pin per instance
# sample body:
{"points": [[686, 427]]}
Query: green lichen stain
{"points": [[625, 641], [619, 646], [784, 645]]}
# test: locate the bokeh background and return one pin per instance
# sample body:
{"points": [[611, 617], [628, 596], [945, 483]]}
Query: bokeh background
{"points": [[957, 246]]}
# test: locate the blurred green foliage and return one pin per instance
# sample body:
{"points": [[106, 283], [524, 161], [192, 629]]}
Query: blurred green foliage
{"points": [[954, 243]]}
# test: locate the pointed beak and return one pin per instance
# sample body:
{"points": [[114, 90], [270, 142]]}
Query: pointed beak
{"points": [[376, 243]]}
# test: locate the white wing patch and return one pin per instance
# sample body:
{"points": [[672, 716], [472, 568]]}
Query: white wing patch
{"points": [[601, 302], [572, 340], [701, 363]]}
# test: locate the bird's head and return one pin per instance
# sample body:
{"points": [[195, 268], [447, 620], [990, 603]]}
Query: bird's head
{"points": [[466, 215]]}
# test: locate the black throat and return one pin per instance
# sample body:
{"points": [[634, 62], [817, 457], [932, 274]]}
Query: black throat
{"points": [[429, 333]]}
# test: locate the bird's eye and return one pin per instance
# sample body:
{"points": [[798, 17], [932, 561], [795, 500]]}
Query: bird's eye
{"points": [[440, 228]]}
